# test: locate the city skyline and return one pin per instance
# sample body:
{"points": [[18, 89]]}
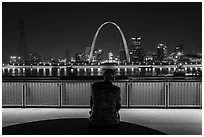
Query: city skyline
{"points": [[48, 26]]}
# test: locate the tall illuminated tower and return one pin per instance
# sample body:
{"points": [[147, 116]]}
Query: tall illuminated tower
{"points": [[137, 53], [22, 49], [161, 51]]}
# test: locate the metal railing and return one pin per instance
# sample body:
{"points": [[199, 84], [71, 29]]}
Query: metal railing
{"points": [[77, 94]]}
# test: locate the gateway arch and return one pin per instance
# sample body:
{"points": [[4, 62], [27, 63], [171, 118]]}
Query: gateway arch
{"points": [[122, 35]]}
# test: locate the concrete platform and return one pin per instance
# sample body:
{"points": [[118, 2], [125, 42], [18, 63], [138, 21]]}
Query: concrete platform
{"points": [[169, 121]]}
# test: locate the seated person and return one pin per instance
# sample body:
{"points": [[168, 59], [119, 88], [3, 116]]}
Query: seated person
{"points": [[105, 102]]}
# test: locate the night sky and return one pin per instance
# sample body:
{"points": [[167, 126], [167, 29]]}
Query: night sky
{"points": [[52, 28]]}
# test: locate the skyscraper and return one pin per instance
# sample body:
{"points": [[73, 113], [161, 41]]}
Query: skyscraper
{"points": [[97, 55], [22, 49], [79, 58], [150, 56], [178, 53], [87, 53], [137, 53], [179, 49], [122, 55], [161, 52], [110, 56], [67, 54]]}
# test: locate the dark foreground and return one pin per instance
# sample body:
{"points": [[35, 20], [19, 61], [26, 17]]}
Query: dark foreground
{"points": [[76, 126]]}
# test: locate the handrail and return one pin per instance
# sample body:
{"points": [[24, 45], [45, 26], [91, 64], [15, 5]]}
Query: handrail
{"points": [[98, 78]]}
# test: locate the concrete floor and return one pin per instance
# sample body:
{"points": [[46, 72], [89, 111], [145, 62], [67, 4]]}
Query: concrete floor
{"points": [[169, 121]]}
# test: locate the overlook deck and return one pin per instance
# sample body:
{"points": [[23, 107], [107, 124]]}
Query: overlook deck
{"points": [[171, 121]]}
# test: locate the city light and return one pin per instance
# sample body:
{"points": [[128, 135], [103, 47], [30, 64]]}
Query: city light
{"points": [[130, 54], [139, 38], [99, 69], [72, 70], [13, 57]]}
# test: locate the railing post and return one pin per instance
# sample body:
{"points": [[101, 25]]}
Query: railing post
{"points": [[200, 90], [60, 96], [128, 94], [24, 95], [167, 85]]}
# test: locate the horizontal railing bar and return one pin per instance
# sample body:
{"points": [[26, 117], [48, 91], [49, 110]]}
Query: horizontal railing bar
{"points": [[78, 81], [184, 105], [147, 106], [133, 106], [11, 105], [41, 105]]}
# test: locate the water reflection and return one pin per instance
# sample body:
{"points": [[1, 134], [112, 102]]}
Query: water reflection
{"points": [[38, 70], [196, 68], [99, 69], [50, 72], [44, 72], [65, 71], [91, 71], [3, 70], [19, 71], [92, 74], [13, 70], [8, 70], [31, 71], [58, 71], [99, 73], [72, 70], [186, 70]]}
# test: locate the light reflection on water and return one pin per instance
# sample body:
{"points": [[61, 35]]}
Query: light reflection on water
{"points": [[90, 72]]}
